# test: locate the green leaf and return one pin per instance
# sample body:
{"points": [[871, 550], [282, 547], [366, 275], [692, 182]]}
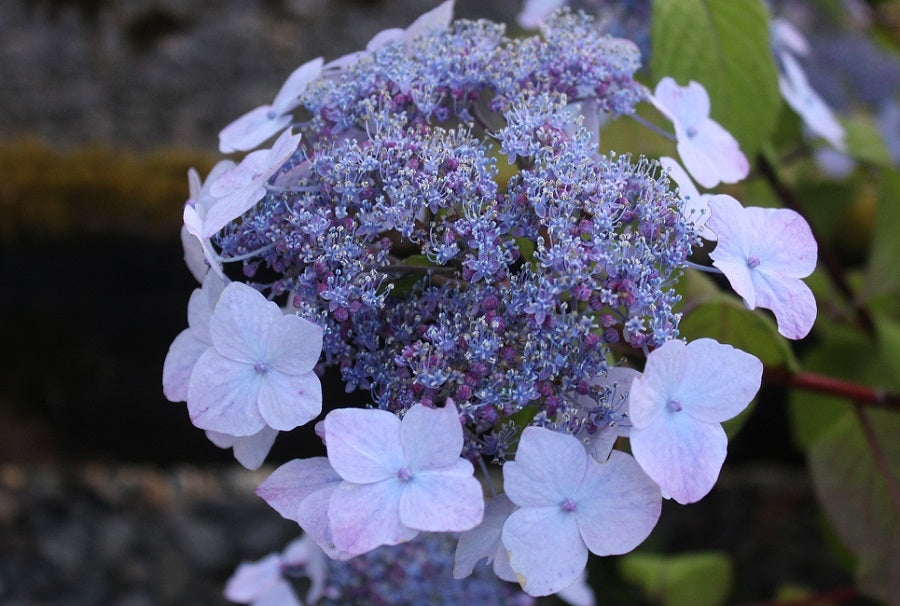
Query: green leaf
{"points": [[695, 286], [856, 473], [692, 579], [882, 276], [724, 45], [725, 319]]}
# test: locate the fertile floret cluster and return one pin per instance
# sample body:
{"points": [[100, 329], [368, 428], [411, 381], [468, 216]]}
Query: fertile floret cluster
{"points": [[432, 276], [436, 220]]}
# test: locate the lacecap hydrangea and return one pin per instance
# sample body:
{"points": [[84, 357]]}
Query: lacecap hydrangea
{"points": [[435, 220]]}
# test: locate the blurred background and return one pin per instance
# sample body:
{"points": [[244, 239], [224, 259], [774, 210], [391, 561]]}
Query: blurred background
{"points": [[107, 494]]}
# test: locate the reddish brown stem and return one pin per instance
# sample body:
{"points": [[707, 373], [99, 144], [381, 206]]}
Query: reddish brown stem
{"points": [[810, 381]]}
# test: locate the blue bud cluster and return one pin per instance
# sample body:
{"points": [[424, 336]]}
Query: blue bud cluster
{"points": [[436, 274]]}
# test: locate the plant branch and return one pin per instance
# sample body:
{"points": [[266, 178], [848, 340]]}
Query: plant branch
{"points": [[827, 256], [861, 395]]}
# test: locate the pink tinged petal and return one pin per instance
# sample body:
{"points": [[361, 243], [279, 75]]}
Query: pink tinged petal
{"points": [[252, 128], [253, 579], [548, 468], [444, 500], [762, 252], [366, 516], [618, 505], [782, 241], [288, 96], [686, 106], [242, 322], [431, 437], [708, 151], [790, 299], [294, 345], [240, 188], [289, 401], [300, 490], [437, 18], [183, 354], [732, 252], [681, 454], [364, 444], [288, 486], [545, 548], [713, 155], [250, 451], [483, 542], [222, 395]]}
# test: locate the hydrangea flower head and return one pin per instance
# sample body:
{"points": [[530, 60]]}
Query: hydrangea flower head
{"points": [[570, 504], [708, 151], [400, 477], [677, 406], [259, 370], [764, 252]]}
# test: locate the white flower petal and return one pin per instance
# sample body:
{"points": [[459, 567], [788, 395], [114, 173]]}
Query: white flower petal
{"points": [[431, 437], [545, 548], [183, 354], [548, 468], [364, 445], [289, 401], [483, 542], [444, 500], [681, 454], [618, 505], [222, 396], [366, 516]]}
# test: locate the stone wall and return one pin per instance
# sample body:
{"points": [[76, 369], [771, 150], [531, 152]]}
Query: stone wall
{"points": [[146, 73]]}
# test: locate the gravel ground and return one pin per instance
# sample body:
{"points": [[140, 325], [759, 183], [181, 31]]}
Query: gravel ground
{"points": [[134, 535]]}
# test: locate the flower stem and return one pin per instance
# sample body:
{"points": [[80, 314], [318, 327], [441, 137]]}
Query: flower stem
{"points": [[861, 395]]}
